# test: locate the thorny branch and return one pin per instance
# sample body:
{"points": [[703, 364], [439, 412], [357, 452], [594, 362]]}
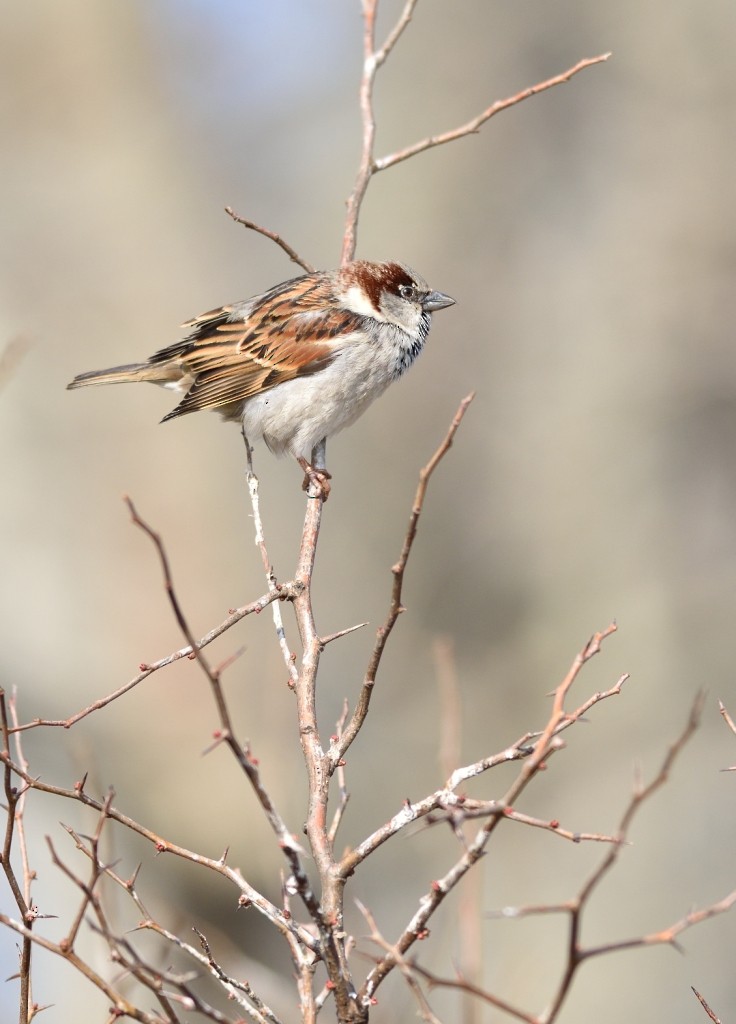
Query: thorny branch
{"points": [[454, 807], [237, 990], [148, 668], [324, 937], [575, 908], [533, 759], [14, 825], [242, 753], [249, 895]]}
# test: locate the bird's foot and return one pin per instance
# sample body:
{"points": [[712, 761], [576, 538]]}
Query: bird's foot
{"points": [[320, 478]]}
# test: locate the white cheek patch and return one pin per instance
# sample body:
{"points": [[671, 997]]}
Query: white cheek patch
{"points": [[357, 302]]}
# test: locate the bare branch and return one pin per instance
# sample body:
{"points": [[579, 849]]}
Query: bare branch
{"points": [[252, 1004], [546, 742], [329, 915], [666, 936], [524, 746], [15, 805], [469, 988], [574, 908], [372, 61], [726, 717], [365, 166], [474, 849], [731, 725], [290, 252], [242, 754], [641, 794], [472, 126], [368, 164], [148, 668], [407, 970], [396, 32], [122, 1007], [576, 955], [249, 895], [273, 586]]}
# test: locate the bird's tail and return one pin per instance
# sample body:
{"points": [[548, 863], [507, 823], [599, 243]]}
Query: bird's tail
{"points": [[118, 375]]}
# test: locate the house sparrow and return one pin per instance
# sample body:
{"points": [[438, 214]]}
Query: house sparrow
{"points": [[299, 362]]}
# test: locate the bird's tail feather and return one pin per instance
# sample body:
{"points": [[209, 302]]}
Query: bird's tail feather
{"points": [[117, 375]]}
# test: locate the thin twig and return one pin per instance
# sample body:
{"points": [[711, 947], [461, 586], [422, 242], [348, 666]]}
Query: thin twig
{"points": [[731, 725], [15, 805], [249, 895], [365, 166], [240, 991], [407, 969], [574, 909], [448, 801], [469, 988], [373, 59], [543, 746], [726, 717], [576, 955], [252, 1003], [242, 753], [339, 749], [474, 849], [665, 936], [148, 668], [716, 1020], [472, 126], [290, 252], [273, 585]]}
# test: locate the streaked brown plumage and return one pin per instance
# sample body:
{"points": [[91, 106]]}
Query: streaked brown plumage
{"points": [[302, 360]]}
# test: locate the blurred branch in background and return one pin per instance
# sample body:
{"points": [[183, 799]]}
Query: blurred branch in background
{"points": [[10, 357]]}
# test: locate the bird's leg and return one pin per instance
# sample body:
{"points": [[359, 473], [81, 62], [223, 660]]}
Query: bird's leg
{"points": [[315, 472], [248, 450]]}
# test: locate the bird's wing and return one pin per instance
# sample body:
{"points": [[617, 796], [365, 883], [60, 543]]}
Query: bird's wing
{"points": [[237, 351]]}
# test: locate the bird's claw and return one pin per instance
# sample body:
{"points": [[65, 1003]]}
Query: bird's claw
{"points": [[319, 479]]}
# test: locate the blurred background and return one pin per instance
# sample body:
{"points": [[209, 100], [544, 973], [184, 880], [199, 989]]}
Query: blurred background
{"points": [[588, 236]]}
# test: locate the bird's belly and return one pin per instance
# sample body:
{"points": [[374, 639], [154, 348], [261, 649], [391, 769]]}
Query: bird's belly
{"points": [[294, 416]]}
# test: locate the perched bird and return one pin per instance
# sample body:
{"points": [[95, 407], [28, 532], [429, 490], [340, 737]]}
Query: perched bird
{"points": [[299, 362]]}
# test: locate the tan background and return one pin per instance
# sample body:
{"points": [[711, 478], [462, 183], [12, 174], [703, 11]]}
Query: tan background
{"points": [[589, 239]]}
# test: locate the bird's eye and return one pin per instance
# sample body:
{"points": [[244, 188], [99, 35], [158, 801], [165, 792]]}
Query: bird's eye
{"points": [[408, 292]]}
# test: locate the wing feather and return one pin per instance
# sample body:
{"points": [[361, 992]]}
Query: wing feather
{"points": [[235, 352]]}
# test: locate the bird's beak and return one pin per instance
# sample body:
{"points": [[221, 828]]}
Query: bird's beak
{"points": [[436, 300]]}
